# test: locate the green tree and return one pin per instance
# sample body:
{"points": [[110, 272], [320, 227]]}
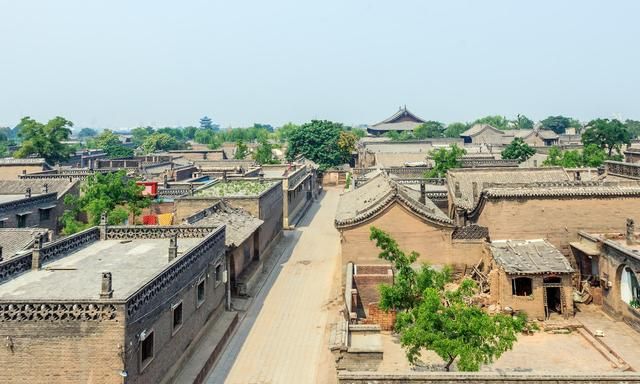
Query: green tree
{"points": [[45, 140], [264, 153], [111, 145], [455, 129], [429, 129], [161, 142], [591, 156], [108, 192], [433, 318], [86, 133], [445, 159], [283, 133], [140, 134], [497, 121], [400, 135], [633, 127], [518, 150], [559, 124], [241, 150], [347, 141], [318, 142], [522, 122], [606, 134]]}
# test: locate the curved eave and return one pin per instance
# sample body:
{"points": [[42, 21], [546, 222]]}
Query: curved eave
{"points": [[376, 210]]}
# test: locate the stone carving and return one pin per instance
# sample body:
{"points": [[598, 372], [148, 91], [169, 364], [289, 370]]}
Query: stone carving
{"points": [[57, 312], [149, 232], [623, 169], [169, 276], [14, 267]]}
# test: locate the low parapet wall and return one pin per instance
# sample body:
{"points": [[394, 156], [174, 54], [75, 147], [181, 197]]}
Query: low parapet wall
{"points": [[483, 378]]}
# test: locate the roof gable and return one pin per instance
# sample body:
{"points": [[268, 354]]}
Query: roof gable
{"points": [[479, 128], [402, 115]]}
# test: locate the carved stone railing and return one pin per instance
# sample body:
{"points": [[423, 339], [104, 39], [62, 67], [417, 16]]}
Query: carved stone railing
{"points": [[163, 285], [479, 163], [28, 202], [173, 192], [51, 311], [429, 181], [618, 168], [57, 249], [14, 266], [22, 161], [56, 176], [153, 232]]}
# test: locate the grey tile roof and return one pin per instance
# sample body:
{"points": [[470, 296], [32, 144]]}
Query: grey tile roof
{"points": [[378, 193], [471, 232], [465, 177], [14, 240], [402, 115], [240, 223], [574, 189], [478, 128], [526, 257], [16, 187]]}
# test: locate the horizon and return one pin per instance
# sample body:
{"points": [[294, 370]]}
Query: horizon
{"points": [[120, 65]]}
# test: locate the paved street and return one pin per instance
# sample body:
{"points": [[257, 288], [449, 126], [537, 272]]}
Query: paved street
{"points": [[282, 338]]}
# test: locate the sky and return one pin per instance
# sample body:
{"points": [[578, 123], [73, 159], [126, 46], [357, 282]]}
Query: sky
{"points": [[122, 63]]}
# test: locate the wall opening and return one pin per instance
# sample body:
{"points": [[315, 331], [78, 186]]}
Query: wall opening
{"points": [[521, 286]]}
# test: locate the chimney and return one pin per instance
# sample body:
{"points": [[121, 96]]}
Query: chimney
{"points": [[24, 171], [103, 225], [27, 193], [0, 253], [631, 229], [461, 220], [261, 176], [578, 177], [475, 190], [165, 181], [106, 292], [224, 176], [423, 192], [535, 163], [173, 247], [45, 188], [36, 262], [457, 191]]}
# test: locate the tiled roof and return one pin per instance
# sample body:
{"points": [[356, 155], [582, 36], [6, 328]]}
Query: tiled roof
{"points": [[385, 159], [402, 115], [471, 232], [574, 188], [379, 193], [14, 240], [526, 257], [399, 126], [240, 223], [16, 187], [477, 128], [465, 177]]}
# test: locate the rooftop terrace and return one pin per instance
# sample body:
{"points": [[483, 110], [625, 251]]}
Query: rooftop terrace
{"points": [[236, 188]]}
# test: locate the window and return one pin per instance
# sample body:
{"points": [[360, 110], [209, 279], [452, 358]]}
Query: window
{"points": [[176, 310], [522, 286], [200, 293], [218, 273], [1, 223], [146, 350], [22, 221], [45, 214]]}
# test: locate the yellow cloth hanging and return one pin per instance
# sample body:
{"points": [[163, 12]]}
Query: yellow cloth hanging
{"points": [[165, 219]]}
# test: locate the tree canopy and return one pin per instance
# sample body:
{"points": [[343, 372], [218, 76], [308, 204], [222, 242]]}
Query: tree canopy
{"points": [[161, 142], [496, 121], [431, 317], [110, 144], [429, 129], [45, 140], [455, 129], [559, 124], [318, 141], [241, 150], [445, 159], [264, 153], [518, 150], [606, 134], [590, 156], [87, 132], [108, 192], [522, 122]]}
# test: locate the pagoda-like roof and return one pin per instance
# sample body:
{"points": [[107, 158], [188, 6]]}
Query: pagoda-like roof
{"points": [[403, 120]]}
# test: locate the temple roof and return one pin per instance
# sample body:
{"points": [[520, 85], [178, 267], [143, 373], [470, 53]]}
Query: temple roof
{"points": [[379, 193], [403, 120], [528, 257], [465, 177]]}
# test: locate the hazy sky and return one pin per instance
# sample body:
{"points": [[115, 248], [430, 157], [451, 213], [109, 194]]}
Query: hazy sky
{"points": [[127, 63]]}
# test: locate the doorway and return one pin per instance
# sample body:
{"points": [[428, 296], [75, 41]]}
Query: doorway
{"points": [[554, 302]]}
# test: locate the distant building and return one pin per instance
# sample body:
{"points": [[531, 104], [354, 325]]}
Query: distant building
{"points": [[489, 135], [110, 302], [11, 168], [403, 120]]}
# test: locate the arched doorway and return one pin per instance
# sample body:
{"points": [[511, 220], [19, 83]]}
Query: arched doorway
{"points": [[629, 287]]}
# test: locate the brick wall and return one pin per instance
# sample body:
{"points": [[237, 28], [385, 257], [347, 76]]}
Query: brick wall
{"points": [[11, 172], [63, 351], [270, 210], [188, 206], [386, 320]]}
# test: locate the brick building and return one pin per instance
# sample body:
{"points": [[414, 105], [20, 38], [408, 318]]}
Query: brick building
{"points": [[11, 168], [299, 188], [109, 304]]}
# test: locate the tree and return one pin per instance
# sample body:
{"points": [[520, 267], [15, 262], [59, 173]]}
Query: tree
{"points": [[606, 134], [283, 133], [429, 129], [497, 121], [85, 133], [559, 124], [161, 142], [264, 153], [455, 129], [111, 145], [400, 135], [347, 141], [633, 127], [108, 192], [591, 156], [318, 142], [241, 150], [45, 140], [433, 318], [518, 150], [522, 122], [445, 159], [140, 134]]}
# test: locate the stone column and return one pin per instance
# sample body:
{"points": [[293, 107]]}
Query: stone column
{"points": [[103, 226], [36, 261], [106, 292], [173, 247]]}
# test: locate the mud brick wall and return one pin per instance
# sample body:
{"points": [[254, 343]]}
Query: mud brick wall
{"points": [[386, 320]]}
